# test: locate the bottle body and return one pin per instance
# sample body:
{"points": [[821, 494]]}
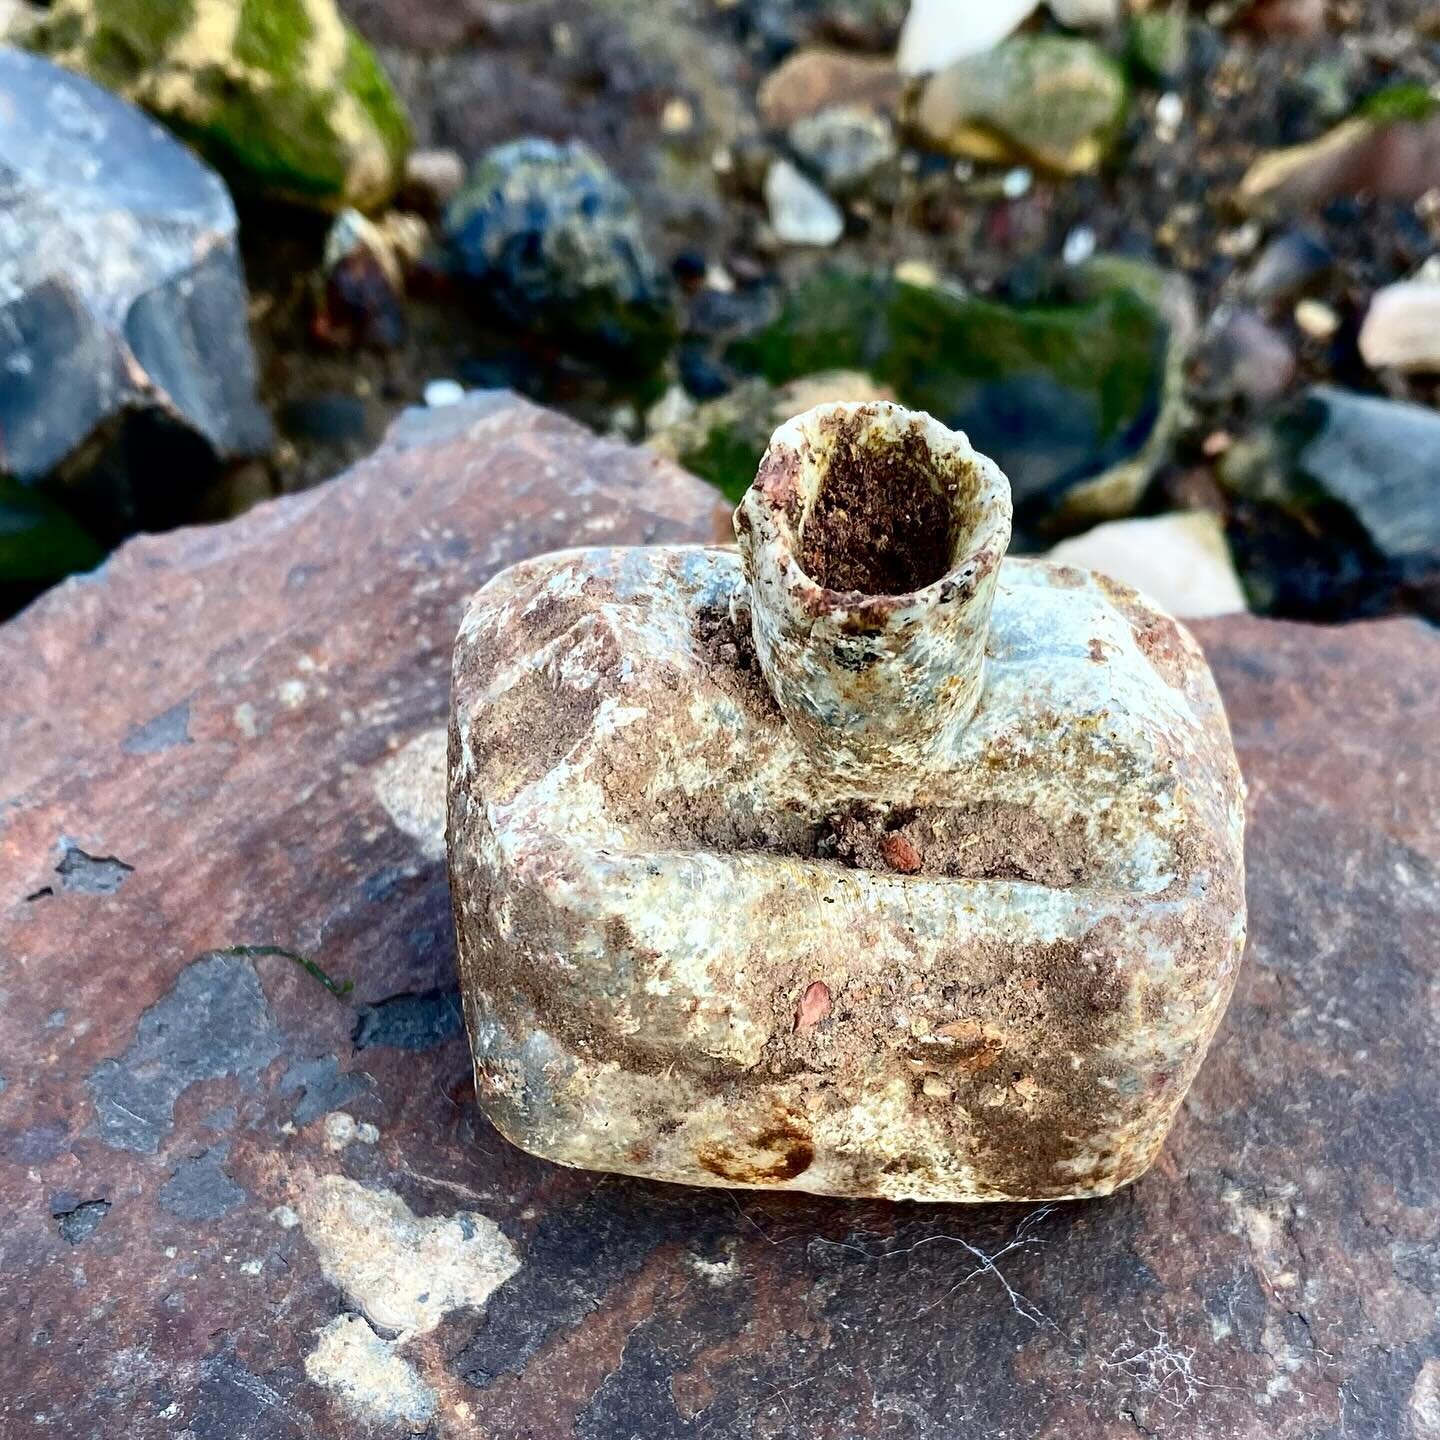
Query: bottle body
{"points": [[695, 947]]}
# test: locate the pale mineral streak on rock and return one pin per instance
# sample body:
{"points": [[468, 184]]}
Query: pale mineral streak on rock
{"points": [[650, 887], [342, 1129], [403, 1272], [370, 1377], [411, 788], [1425, 1402]]}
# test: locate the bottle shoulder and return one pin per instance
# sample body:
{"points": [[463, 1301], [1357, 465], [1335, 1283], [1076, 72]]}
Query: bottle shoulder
{"points": [[621, 687]]}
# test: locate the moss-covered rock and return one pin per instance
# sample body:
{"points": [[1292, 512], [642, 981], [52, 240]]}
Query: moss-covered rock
{"points": [[39, 544], [1158, 43], [1047, 100], [1073, 397], [280, 95]]}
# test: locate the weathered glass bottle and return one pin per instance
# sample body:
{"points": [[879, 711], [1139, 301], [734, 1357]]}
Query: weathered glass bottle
{"points": [[857, 862]]}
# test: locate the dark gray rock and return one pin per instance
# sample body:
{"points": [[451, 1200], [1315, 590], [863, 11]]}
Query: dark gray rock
{"points": [[200, 1189], [214, 1021], [120, 292], [410, 1022], [1292, 261], [90, 874], [1362, 471], [151, 737], [552, 239], [322, 1086], [77, 1219]]}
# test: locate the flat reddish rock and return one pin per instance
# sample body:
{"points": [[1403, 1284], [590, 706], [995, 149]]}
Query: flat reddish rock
{"points": [[239, 1205]]}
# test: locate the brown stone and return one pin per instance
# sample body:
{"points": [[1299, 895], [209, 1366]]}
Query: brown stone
{"points": [[1391, 160], [225, 740], [1290, 19], [809, 80]]}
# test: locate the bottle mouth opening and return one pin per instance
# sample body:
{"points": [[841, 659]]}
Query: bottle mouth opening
{"points": [[879, 502], [882, 522]]}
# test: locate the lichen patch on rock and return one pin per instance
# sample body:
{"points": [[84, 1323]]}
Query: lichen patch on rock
{"points": [[404, 1272], [371, 1379]]}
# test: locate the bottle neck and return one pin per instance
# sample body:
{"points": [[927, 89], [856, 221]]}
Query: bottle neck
{"points": [[872, 540]]}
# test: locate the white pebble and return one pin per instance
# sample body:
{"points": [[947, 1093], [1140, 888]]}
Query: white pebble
{"points": [[439, 393], [1316, 319], [1079, 245], [1169, 115], [801, 213], [1017, 182]]}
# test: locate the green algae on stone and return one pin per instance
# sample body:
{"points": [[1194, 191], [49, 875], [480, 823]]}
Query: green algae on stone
{"points": [[1047, 100], [1158, 42], [1407, 101], [280, 95], [1073, 397], [39, 542]]}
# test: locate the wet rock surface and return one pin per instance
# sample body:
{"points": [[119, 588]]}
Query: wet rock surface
{"points": [[1272, 1277], [123, 338]]}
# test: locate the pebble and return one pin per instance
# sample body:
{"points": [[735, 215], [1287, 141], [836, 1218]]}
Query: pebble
{"points": [[1242, 241], [1291, 19], [1287, 265], [1402, 328], [844, 145], [1086, 14], [801, 213], [547, 236], [363, 302], [439, 393], [1375, 459], [936, 33], [1169, 116], [985, 107], [1181, 561], [811, 80], [1244, 358], [917, 272], [1159, 44], [1392, 159], [1017, 183], [283, 97], [1316, 319], [677, 117], [672, 408], [434, 177], [121, 292], [1079, 245]]}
